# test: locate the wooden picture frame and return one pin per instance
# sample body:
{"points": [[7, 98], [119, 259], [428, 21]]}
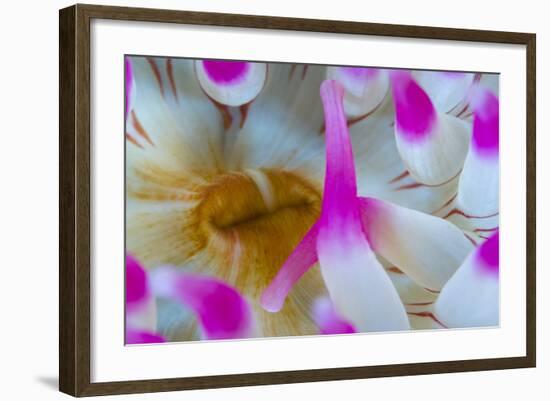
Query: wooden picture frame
{"points": [[75, 208]]}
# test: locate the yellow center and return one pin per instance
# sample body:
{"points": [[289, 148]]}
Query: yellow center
{"points": [[254, 199], [241, 228]]}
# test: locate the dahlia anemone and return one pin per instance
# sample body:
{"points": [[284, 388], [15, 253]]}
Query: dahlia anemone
{"points": [[327, 205]]}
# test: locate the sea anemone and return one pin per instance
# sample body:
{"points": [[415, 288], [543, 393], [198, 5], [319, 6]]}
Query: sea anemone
{"points": [[324, 199]]}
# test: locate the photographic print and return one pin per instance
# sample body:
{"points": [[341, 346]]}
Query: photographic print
{"points": [[273, 199]]}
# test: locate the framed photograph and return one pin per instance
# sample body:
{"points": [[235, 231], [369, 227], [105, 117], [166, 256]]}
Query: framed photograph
{"points": [[250, 200]]}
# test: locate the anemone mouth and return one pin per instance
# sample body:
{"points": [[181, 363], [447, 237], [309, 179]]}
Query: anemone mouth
{"points": [[242, 201]]}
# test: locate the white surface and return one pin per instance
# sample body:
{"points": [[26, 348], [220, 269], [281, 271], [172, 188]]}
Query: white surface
{"points": [[111, 361], [28, 161]]}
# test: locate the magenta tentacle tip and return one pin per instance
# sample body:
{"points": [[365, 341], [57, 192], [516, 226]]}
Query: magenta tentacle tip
{"points": [[225, 72], [488, 255], [415, 115], [485, 137]]}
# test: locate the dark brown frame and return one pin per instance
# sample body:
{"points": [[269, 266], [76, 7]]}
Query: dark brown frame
{"points": [[74, 199]]}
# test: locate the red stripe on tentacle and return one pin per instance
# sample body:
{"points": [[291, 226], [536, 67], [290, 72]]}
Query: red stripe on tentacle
{"points": [[355, 120], [226, 115], [139, 128], [244, 113], [399, 177], [304, 71], [227, 118], [132, 140], [170, 73], [292, 69], [395, 269], [429, 315], [478, 230], [445, 204], [468, 216], [156, 72], [412, 185], [418, 184], [474, 243], [477, 78], [352, 121], [464, 109]]}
